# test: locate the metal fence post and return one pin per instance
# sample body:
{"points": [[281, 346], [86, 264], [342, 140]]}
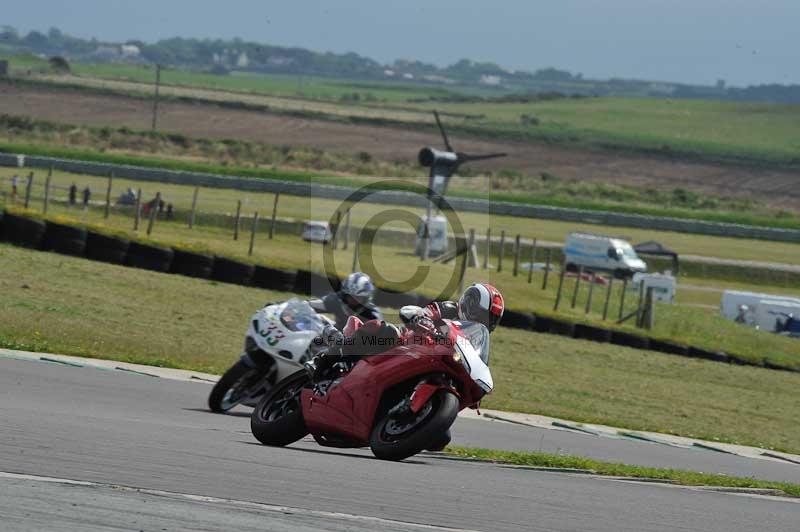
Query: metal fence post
{"points": [[577, 286], [28, 190], [546, 269], [591, 290], [622, 298], [560, 287], [153, 211], [237, 220], [108, 195], [608, 297], [194, 207], [274, 214], [137, 216], [253, 233], [502, 251]]}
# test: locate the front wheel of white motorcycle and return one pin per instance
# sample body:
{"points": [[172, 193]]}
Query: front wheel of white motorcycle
{"points": [[277, 420], [237, 384], [398, 436]]}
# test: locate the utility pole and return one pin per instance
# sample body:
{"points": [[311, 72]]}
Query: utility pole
{"points": [[155, 98]]}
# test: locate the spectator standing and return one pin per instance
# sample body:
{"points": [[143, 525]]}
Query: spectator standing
{"points": [[73, 194], [87, 195], [170, 213]]}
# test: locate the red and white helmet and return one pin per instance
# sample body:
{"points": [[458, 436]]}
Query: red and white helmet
{"points": [[482, 303]]}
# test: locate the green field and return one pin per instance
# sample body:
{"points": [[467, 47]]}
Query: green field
{"points": [[216, 201], [73, 306], [683, 324], [745, 132]]}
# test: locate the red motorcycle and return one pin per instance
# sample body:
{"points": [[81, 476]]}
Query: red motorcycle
{"points": [[399, 403]]}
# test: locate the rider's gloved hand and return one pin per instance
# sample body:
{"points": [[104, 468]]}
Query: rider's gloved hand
{"points": [[332, 336]]}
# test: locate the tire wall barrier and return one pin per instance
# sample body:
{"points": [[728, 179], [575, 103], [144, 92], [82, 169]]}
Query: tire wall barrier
{"points": [[115, 250], [65, 239], [656, 223]]}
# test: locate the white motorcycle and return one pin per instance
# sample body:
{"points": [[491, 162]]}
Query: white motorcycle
{"points": [[279, 340]]}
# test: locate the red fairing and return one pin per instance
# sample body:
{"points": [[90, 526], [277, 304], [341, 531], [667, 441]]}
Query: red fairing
{"points": [[349, 408], [353, 324]]}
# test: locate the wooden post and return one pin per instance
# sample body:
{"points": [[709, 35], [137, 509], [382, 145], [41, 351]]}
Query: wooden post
{"points": [[640, 305], [28, 190], [47, 190], [502, 251], [488, 247], [533, 261], [156, 97], [194, 207], [577, 286], [108, 195], [138, 214], [253, 233], [516, 255], [356, 245], [274, 214], [546, 268], [472, 248], [467, 252], [237, 219], [622, 298], [589, 296], [608, 297], [650, 310], [560, 287], [336, 226], [153, 211], [346, 229]]}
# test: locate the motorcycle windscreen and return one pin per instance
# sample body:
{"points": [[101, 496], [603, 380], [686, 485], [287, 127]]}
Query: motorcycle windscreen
{"points": [[474, 347]]}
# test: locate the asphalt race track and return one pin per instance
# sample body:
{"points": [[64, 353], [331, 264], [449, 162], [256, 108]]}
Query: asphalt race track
{"points": [[89, 450]]}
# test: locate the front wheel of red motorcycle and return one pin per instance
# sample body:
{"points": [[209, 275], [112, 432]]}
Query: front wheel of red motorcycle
{"points": [[399, 436], [277, 420]]}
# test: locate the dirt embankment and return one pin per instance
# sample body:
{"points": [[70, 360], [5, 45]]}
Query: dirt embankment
{"points": [[776, 187]]}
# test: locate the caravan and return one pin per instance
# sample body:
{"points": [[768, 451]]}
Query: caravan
{"points": [[743, 306]]}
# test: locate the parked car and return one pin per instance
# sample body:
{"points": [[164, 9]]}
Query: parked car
{"points": [[600, 252], [317, 232]]}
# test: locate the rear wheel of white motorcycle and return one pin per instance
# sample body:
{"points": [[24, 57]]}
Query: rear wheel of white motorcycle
{"points": [[234, 387], [277, 420], [397, 437]]}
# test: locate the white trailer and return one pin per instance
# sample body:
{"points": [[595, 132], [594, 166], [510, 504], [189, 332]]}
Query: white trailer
{"points": [[732, 301], [663, 286], [770, 311]]}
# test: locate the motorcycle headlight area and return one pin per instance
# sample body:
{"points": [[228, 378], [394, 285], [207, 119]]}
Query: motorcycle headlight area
{"points": [[458, 356]]}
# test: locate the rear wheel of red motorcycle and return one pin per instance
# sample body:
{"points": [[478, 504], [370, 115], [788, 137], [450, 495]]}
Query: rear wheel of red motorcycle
{"points": [[397, 438], [277, 420]]}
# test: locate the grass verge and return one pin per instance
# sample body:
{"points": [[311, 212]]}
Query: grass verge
{"points": [[677, 476], [54, 303]]}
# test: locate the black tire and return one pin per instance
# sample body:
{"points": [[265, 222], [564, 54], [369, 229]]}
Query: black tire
{"points": [[273, 279], [149, 257], [231, 271], [106, 248], [280, 424], [65, 239], [441, 443], [218, 400], [23, 231], [428, 430], [192, 264]]}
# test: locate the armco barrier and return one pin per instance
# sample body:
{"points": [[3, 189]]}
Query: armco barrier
{"points": [[111, 249], [607, 218]]}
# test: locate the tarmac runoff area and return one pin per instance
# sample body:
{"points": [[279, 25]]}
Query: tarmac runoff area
{"points": [[135, 449]]}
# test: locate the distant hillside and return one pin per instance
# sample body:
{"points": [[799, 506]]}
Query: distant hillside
{"points": [[223, 56]]}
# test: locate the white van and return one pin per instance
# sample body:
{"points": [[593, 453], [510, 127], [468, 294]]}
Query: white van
{"points": [[732, 301], [438, 236], [317, 232], [599, 252]]}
